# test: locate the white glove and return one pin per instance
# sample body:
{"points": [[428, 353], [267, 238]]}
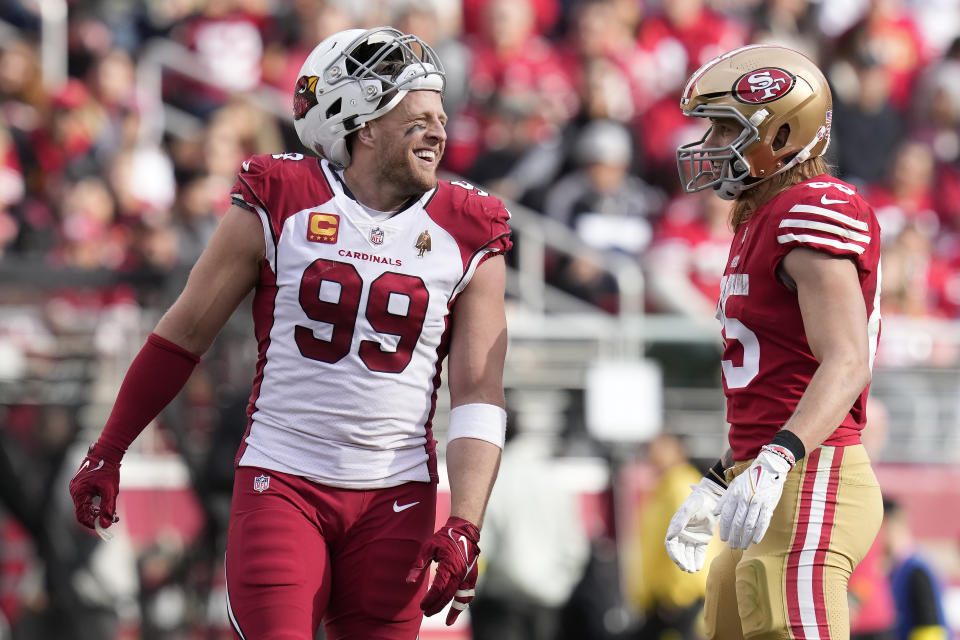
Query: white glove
{"points": [[747, 507], [692, 526]]}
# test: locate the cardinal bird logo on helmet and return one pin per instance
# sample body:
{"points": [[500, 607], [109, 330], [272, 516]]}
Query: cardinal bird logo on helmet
{"points": [[305, 96]]}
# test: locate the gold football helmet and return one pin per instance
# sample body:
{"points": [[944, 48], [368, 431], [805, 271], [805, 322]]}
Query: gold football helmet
{"points": [[763, 88]]}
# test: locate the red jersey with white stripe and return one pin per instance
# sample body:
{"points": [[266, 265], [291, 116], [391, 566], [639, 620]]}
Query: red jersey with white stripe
{"points": [[767, 363], [352, 320]]}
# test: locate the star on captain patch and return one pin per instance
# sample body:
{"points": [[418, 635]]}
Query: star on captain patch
{"points": [[376, 235], [423, 243]]}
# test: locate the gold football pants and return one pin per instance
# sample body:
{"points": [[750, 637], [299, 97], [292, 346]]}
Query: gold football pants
{"points": [[793, 584]]}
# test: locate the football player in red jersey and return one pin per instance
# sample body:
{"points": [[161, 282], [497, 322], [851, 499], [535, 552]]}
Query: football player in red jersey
{"points": [[795, 496], [367, 272]]}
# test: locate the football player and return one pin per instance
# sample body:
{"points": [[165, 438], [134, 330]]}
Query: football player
{"points": [[367, 272], [795, 496]]}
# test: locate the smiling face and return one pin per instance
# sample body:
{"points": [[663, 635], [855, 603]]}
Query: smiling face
{"points": [[410, 141]]}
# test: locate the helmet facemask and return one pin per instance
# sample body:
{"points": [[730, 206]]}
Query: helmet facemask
{"points": [[723, 169]]}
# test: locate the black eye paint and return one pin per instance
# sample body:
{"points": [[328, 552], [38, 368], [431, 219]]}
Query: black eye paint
{"points": [[414, 128]]}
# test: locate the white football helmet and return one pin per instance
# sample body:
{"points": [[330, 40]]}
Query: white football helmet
{"points": [[353, 77], [763, 88]]}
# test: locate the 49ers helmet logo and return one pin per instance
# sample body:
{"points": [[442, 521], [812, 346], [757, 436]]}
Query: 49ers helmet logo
{"points": [[304, 96], [763, 85]]}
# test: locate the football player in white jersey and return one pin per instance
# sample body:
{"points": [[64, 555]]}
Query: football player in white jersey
{"points": [[367, 272]]}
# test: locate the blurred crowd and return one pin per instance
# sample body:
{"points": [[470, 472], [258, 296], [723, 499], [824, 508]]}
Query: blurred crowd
{"points": [[121, 163], [566, 106]]}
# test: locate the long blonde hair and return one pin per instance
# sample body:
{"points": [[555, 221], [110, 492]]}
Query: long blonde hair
{"points": [[752, 199]]}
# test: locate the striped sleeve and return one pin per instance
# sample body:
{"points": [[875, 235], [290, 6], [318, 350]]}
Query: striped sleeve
{"points": [[825, 229]]}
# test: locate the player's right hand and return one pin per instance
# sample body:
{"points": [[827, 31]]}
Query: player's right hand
{"points": [[96, 478], [692, 526]]}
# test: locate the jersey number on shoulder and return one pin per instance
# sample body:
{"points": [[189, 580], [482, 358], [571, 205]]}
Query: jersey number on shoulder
{"points": [[826, 185], [342, 315], [463, 184], [738, 376]]}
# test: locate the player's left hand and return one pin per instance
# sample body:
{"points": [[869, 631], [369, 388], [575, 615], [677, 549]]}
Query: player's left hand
{"points": [[455, 549], [746, 508]]}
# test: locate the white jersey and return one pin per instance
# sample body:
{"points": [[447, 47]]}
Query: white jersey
{"points": [[352, 321]]}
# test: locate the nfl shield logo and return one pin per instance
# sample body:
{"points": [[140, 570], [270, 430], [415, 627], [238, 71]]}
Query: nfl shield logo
{"points": [[376, 236], [261, 483]]}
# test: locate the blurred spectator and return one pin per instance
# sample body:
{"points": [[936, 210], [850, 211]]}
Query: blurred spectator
{"points": [[888, 34], [604, 93], [601, 200], [519, 158], [142, 182], [936, 122], [545, 14], [669, 599], [936, 117], [872, 613], [789, 23], [520, 594], [226, 37], [509, 62], [111, 82], [88, 235], [236, 131], [12, 189], [66, 145], [196, 215], [22, 97], [600, 37], [917, 592], [298, 27], [608, 208], [701, 33], [917, 282], [907, 196], [867, 129], [688, 255]]}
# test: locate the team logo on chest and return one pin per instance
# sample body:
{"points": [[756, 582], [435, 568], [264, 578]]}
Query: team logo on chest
{"points": [[376, 235], [423, 244], [261, 483], [323, 227]]}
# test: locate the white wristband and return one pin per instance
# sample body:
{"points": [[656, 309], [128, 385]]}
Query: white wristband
{"points": [[478, 420]]}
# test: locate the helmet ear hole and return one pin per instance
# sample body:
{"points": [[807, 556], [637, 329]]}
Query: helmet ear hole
{"points": [[783, 134], [334, 108]]}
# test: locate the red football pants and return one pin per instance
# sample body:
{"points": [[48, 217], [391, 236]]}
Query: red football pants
{"points": [[299, 553]]}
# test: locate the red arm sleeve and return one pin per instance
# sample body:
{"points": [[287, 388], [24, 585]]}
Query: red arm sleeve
{"points": [[154, 378]]}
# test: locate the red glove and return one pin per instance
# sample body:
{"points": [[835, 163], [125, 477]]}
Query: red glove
{"points": [[454, 548], [94, 489]]}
